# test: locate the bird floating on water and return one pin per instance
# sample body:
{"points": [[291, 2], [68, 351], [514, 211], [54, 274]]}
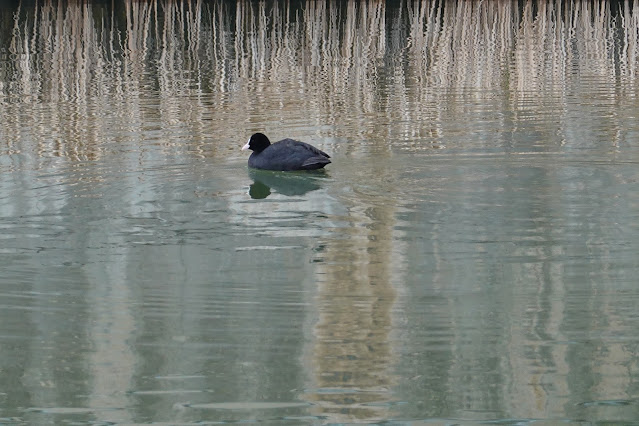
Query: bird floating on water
{"points": [[285, 155]]}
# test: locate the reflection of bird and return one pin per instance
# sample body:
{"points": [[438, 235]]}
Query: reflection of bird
{"points": [[258, 190], [285, 155], [289, 184]]}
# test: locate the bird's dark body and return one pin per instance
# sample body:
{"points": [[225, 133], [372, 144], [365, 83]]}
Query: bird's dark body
{"points": [[287, 155]]}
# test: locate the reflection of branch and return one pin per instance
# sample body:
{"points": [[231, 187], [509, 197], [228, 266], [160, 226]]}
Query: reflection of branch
{"points": [[629, 52], [353, 58], [449, 44]]}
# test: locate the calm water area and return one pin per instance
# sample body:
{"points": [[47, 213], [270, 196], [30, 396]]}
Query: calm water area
{"points": [[471, 256]]}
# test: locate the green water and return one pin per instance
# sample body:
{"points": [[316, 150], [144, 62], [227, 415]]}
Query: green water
{"points": [[470, 255]]}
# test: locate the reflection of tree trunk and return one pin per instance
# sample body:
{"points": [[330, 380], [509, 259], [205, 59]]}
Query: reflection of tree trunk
{"points": [[352, 354]]}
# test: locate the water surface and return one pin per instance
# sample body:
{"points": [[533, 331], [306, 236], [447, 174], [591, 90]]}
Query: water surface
{"points": [[470, 255]]}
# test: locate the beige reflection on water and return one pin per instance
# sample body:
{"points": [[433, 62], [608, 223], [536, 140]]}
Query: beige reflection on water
{"points": [[76, 88], [344, 71], [351, 357]]}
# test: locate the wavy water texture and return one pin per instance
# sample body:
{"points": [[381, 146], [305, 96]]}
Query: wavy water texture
{"points": [[470, 253], [218, 67]]}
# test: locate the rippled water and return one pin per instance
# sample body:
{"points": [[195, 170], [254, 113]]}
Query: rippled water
{"points": [[470, 255]]}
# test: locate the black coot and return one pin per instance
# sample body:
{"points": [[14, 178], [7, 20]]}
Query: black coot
{"points": [[286, 155]]}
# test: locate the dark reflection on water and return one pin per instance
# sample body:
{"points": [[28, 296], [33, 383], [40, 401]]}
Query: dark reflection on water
{"points": [[259, 190], [289, 184], [470, 254]]}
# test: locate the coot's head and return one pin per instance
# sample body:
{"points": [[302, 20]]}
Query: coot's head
{"points": [[258, 143]]}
